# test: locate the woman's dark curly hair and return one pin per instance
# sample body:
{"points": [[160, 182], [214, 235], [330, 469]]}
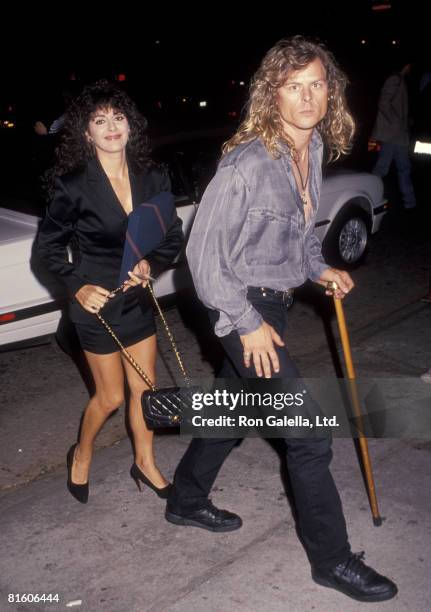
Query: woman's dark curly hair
{"points": [[74, 150]]}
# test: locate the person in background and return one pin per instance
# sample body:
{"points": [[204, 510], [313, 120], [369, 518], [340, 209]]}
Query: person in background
{"points": [[54, 127], [391, 130]]}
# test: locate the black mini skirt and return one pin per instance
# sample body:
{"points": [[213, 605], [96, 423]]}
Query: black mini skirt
{"points": [[136, 323]]}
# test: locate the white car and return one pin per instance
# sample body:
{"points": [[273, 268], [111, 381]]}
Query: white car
{"points": [[28, 309], [351, 209]]}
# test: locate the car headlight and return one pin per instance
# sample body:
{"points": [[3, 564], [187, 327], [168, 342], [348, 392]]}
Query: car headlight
{"points": [[422, 147]]}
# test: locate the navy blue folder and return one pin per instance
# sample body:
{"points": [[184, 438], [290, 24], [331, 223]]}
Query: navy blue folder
{"points": [[146, 228]]}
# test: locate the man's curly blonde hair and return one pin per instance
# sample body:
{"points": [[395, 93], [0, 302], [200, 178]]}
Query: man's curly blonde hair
{"points": [[263, 118]]}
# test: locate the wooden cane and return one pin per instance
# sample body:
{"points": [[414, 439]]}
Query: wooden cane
{"points": [[363, 443]]}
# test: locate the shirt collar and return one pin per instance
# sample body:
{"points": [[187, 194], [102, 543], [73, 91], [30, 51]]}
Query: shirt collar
{"points": [[316, 143]]}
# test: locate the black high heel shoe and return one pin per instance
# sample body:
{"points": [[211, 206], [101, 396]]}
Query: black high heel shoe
{"points": [[138, 476], [79, 491]]}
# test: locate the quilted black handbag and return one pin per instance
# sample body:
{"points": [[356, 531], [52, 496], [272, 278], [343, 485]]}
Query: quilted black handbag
{"points": [[160, 407], [166, 407]]}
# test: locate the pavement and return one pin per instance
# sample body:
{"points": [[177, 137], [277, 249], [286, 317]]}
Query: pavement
{"points": [[119, 554]]}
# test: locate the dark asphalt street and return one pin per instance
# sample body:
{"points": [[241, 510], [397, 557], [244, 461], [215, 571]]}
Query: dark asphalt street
{"points": [[115, 554]]}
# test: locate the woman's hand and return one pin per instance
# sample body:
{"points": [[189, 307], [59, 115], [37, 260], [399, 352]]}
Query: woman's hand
{"points": [[92, 298], [140, 275]]}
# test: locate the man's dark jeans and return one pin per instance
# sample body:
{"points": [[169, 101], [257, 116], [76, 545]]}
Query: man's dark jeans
{"points": [[320, 516]]}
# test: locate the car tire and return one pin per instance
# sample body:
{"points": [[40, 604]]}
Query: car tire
{"points": [[346, 243]]}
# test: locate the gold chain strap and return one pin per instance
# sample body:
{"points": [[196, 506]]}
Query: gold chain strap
{"points": [[169, 334], [129, 356], [126, 352]]}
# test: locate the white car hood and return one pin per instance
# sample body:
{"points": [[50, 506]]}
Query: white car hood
{"points": [[16, 229], [359, 182]]}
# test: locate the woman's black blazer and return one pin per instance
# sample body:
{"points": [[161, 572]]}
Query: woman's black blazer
{"points": [[86, 208]]}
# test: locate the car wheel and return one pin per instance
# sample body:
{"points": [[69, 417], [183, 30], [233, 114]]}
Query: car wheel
{"points": [[346, 242]]}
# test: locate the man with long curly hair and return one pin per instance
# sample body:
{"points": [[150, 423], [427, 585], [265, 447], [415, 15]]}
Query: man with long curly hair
{"points": [[252, 242]]}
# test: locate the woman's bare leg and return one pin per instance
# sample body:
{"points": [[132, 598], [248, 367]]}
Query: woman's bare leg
{"points": [[144, 353], [108, 377]]}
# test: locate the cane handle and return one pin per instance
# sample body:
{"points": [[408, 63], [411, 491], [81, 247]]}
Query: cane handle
{"points": [[331, 286]]}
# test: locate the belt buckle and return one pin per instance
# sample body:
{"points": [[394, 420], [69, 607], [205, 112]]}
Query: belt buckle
{"points": [[288, 297]]}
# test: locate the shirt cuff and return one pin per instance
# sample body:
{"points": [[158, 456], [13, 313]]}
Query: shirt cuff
{"points": [[74, 284], [249, 322], [317, 269]]}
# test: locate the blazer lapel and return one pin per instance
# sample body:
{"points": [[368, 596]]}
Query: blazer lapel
{"points": [[136, 186], [103, 188], [140, 186]]}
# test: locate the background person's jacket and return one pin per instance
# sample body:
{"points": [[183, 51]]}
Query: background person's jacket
{"points": [[392, 120]]}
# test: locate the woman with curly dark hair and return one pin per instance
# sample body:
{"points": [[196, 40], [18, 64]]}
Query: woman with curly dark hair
{"points": [[103, 172]]}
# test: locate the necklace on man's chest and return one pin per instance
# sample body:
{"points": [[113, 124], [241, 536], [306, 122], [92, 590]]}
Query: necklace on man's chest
{"points": [[303, 191]]}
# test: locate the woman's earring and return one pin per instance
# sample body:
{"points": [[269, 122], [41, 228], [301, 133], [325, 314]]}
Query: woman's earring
{"points": [[90, 145]]}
